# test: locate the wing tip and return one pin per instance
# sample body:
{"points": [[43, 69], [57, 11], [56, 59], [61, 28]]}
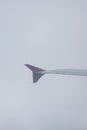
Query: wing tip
{"points": [[35, 70]]}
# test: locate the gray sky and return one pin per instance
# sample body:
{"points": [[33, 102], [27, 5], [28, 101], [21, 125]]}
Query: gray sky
{"points": [[49, 34]]}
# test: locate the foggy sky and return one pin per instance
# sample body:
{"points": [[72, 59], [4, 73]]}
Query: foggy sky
{"points": [[49, 34]]}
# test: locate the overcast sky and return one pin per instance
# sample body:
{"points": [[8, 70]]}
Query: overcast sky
{"points": [[50, 34]]}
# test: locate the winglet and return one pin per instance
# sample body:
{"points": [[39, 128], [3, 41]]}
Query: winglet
{"points": [[36, 72]]}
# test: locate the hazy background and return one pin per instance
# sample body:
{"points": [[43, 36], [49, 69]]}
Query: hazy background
{"points": [[50, 34]]}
